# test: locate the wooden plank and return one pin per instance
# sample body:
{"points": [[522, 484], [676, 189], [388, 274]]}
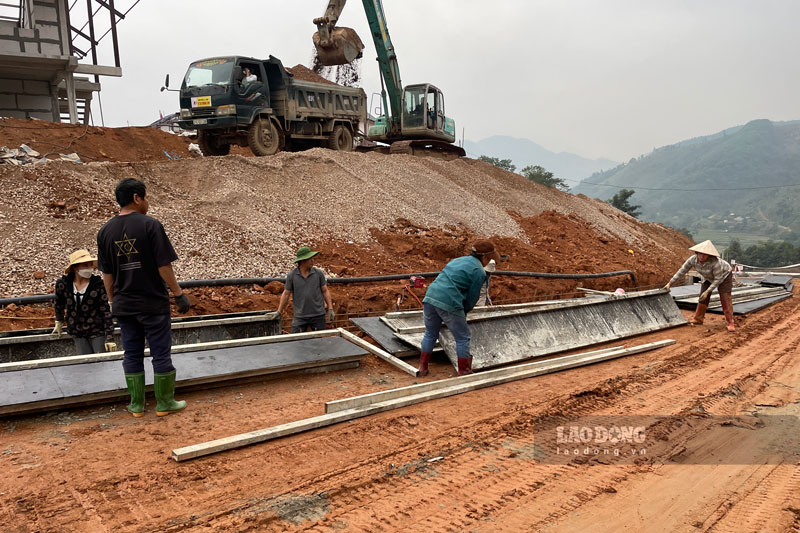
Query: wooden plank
{"points": [[114, 356], [262, 435], [386, 356], [366, 399]]}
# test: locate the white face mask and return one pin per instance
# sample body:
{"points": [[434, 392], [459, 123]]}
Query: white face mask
{"points": [[85, 272]]}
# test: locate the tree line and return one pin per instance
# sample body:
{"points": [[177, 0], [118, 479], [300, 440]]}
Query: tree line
{"points": [[765, 254]]}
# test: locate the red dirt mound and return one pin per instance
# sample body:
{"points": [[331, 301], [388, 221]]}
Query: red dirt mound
{"points": [[92, 143]]}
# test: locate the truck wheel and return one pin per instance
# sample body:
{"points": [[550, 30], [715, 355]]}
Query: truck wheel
{"points": [[264, 137], [210, 145], [341, 139]]}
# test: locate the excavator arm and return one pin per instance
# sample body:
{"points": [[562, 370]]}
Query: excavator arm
{"points": [[336, 45]]}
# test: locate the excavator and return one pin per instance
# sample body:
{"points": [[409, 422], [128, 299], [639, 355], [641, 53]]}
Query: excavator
{"points": [[413, 120]]}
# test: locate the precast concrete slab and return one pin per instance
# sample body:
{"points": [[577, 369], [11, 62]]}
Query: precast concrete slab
{"points": [[39, 389], [498, 340], [44, 345]]}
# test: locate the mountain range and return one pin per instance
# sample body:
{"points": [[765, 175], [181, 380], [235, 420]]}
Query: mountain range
{"points": [[524, 152], [744, 180]]}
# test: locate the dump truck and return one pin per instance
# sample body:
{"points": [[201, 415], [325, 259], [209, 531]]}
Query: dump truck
{"points": [[259, 103]]}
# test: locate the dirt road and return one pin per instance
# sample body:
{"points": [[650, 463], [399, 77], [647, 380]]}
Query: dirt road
{"points": [[474, 462]]}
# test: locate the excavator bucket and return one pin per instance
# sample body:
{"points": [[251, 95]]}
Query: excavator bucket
{"points": [[343, 46]]}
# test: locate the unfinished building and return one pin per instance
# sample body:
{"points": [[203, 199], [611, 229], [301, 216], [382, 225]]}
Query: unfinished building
{"points": [[49, 68]]}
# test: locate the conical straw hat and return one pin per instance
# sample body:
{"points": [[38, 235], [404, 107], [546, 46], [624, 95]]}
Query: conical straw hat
{"points": [[705, 247]]}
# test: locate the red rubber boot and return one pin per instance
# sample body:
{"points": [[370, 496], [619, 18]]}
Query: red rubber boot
{"points": [[464, 366], [727, 309], [424, 359]]}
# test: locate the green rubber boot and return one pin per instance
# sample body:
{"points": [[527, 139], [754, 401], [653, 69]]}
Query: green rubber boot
{"points": [[135, 384], [164, 385]]}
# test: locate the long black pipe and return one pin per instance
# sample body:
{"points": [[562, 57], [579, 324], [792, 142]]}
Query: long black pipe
{"points": [[44, 298]]}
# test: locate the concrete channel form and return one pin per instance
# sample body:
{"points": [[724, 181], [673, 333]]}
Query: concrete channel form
{"points": [[41, 344], [500, 336], [70, 385]]}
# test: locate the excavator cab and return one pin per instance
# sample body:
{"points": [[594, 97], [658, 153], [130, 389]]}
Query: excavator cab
{"points": [[423, 113]]}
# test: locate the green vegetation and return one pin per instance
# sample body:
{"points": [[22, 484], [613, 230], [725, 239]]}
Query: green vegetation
{"points": [[541, 176], [505, 164], [731, 183], [620, 201], [534, 173], [764, 254]]}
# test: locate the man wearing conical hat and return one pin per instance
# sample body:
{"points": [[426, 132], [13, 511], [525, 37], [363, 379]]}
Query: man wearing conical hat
{"points": [[717, 274]]}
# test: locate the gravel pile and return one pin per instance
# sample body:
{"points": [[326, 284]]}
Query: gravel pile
{"points": [[245, 217]]}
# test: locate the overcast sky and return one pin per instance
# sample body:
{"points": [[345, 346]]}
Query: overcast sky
{"points": [[603, 78]]}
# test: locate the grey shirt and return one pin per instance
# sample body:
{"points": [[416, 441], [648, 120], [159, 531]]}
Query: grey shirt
{"points": [[307, 292]]}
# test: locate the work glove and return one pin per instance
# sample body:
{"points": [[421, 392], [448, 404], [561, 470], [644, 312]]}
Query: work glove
{"points": [[331, 315], [182, 302], [667, 286], [706, 294], [273, 315], [110, 345], [57, 329]]}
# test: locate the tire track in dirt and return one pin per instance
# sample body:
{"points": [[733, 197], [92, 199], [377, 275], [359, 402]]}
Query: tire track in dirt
{"points": [[488, 477]]}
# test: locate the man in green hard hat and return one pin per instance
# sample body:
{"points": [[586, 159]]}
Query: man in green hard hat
{"points": [[310, 295]]}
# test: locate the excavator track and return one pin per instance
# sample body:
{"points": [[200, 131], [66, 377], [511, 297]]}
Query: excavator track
{"points": [[428, 147]]}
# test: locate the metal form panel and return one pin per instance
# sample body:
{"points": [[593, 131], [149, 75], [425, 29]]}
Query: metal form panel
{"points": [[775, 280], [383, 335], [752, 306], [45, 345], [64, 386], [407, 321], [505, 339], [739, 294]]}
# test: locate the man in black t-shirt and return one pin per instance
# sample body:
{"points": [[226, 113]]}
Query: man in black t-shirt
{"points": [[135, 256]]}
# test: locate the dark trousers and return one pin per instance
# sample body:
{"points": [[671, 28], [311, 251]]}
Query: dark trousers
{"points": [[433, 317], [316, 323], [85, 345], [157, 329], [725, 287]]}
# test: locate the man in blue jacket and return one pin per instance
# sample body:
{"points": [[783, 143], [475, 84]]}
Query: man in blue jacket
{"points": [[449, 298]]}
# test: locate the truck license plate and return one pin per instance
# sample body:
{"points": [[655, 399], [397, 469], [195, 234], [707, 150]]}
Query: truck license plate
{"points": [[200, 121]]}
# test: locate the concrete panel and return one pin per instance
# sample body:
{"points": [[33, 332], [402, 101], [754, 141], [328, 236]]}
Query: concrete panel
{"points": [[36, 87], [8, 28], [10, 86], [51, 49], [8, 101], [26, 33], [36, 385], [47, 31], [7, 45], [35, 103], [31, 47], [43, 345], [13, 113], [31, 389], [45, 13]]}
